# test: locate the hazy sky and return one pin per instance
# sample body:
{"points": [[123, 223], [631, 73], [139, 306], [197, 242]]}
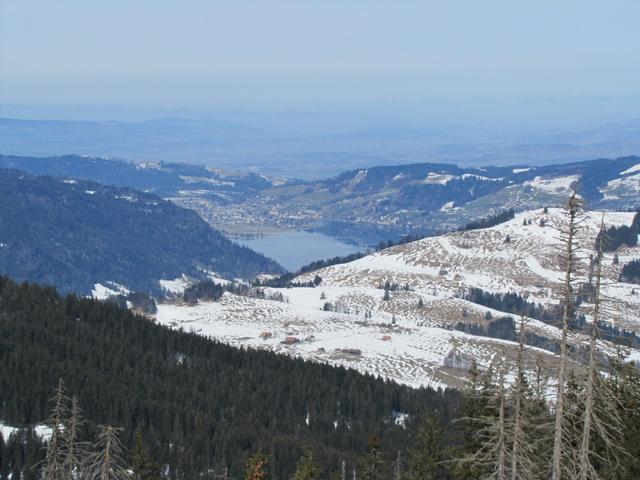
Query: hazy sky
{"points": [[272, 52]]}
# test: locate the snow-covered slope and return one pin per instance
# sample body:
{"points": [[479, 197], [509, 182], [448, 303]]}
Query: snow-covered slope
{"points": [[408, 336]]}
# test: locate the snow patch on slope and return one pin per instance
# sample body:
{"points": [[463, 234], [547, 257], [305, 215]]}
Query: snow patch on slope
{"points": [[103, 292], [634, 169], [438, 178], [177, 286], [40, 430], [556, 185]]}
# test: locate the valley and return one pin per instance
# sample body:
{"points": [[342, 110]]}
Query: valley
{"points": [[381, 203], [361, 207], [319, 240]]}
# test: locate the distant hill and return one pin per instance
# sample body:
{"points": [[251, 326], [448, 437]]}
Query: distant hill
{"points": [[164, 179], [370, 204], [321, 143], [73, 234], [364, 206]]}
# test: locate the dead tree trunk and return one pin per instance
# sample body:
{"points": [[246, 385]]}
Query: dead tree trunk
{"points": [[108, 464], [54, 461], [501, 471], [518, 430], [600, 415], [569, 259]]}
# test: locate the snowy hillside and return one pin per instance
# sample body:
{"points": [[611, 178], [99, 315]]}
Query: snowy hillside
{"points": [[386, 202], [407, 334]]}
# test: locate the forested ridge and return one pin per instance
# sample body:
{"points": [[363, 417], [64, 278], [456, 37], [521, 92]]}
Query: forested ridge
{"points": [[200, 404], [162, 178], [73, 234]]}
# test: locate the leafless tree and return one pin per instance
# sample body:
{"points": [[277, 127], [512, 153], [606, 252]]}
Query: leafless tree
{"points": [[561, 443], [491, 431], [54, 467], [108, 463], [601, 409], [76, 453], [529, 426]]}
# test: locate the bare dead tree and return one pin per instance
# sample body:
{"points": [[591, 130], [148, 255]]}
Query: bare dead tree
{"points": [[560, 443], [491, 432], [76, 453], [525, 430], [518, 439], [541, 378], [108, 463], [601, 409], [501, 467], [54, 468]]}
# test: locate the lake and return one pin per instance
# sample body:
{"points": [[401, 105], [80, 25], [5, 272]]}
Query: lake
{"points": [[293, 249]]}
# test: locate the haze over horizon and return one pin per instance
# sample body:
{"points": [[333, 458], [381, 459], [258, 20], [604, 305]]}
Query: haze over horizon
{"points": [[283, 54], [312, 88]]}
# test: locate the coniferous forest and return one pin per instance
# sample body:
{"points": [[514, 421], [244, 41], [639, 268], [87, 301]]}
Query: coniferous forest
{"points": [[319, 240], [157, 403], [200, 405]]}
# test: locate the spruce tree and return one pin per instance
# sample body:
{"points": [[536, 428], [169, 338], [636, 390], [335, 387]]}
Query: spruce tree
{"points": [[373, 464], [426, 454], [625, 384], [141, 463]]}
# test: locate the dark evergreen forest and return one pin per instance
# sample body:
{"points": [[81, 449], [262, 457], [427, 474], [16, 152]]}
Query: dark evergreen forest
{"points": [[614, 237], [515, 304], [631, 272], [200, 404], [73, 234]]}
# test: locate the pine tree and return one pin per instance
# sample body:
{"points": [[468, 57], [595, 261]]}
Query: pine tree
{"points": [[141, 463], [625, 385], [426, 454], [4, 461], [474, 403], [307, 468]]}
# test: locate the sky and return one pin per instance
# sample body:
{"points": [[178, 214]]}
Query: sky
{"points": [[273, 52]]}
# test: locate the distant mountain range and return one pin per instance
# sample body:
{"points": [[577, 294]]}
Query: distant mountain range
{"points": [[74, 234], [362, 206], [323, 142]]}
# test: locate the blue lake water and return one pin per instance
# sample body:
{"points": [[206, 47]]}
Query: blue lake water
{"points": [[295, 249]]}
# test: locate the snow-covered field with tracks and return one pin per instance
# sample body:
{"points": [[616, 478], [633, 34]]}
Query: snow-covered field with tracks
{"points": [[408, 337]]}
